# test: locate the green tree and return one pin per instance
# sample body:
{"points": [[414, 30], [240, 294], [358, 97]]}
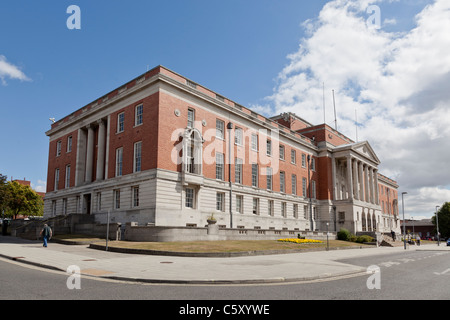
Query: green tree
{"points": [[444, 220], [3, 193], [20, 199]]}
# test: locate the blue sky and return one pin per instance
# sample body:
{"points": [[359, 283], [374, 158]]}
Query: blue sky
{"points": [[256, 52]]}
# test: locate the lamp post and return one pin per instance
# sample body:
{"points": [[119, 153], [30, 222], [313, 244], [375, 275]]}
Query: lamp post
{"points": [[404, 221], [437, 225], [311, 218]]}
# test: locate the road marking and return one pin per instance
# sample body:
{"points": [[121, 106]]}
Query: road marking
{"points": [[441, 273]]}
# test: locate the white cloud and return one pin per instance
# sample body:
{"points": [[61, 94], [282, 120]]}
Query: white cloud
{"points": [[8, 70], [41, 186], [397, 82]]}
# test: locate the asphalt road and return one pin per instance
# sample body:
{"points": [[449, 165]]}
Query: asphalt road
{"points": [[422, 275]]}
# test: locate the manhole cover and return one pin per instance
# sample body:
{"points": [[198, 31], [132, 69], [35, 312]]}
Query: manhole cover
{"points": [[89, 260], [166, 262]]}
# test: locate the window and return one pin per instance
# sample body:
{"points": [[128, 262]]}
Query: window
{"points": [[313, 187], [220, 166], [295, 210], [58, 148], [254, 142], [313, 164], [294, 184], [191, 84], [191, 118], [135, 194], [255, 205], [69, 144], [282, 181], [220, 129], [238, 136], [190, 157], [120, 122], [238, 171], [119, 159], [281, 152], [254, 175], [293, 157], [56, 179], [54, 207], [138, 115], [189, 202], [269, 178], [341, 216], [305, 212], [283, 209], [304, 187], [220, 201], [303, 160], [117, 199], [192, 152], [137, 156], [99, 201], [270, 207], [269, 147], [67, 183], [65, 206], [239, 204]]}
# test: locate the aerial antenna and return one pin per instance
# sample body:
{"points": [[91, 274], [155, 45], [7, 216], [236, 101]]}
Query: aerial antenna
{"points": [[335, 118], [323, 97]]}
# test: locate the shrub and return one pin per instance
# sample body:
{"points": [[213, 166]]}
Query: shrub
{"points": [[364, 238], [344, 234]]}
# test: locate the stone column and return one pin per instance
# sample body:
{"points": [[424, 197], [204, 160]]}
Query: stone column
{"points": [[349, 178], [101, 150], [89, 154], [361, 181], [371, 191], [366, 184], [355, 180], [81, 158], [377, 197], [333, 168]]}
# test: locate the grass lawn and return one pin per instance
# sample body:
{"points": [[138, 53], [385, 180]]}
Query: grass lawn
{"points": [[213, 246]]}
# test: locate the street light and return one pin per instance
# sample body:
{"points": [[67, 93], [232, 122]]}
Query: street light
{"points": [[437, 225], [404, 221], [311, 218], [328, 247]]}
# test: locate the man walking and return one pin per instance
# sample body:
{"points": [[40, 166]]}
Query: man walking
{"points": [[46, 232]]}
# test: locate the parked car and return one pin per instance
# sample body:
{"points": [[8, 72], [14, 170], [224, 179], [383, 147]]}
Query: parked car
{"points": [[448, 242]]}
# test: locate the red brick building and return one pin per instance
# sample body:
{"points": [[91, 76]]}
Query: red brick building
{"points": [[164, 150]]}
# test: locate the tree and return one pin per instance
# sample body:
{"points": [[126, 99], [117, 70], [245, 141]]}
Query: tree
{"points": [[444, 220], [20, 199], [3, 193]]}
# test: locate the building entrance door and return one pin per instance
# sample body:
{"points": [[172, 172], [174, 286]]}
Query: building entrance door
{"points": [[87, 203]]}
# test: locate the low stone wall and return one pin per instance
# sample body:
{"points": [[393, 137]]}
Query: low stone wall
{"points": [[134, 232]]}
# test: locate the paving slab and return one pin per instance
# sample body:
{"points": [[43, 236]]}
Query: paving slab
{"points": [[275, 268]]}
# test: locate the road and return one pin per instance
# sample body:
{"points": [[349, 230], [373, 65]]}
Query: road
{"points": [[408, 275]]}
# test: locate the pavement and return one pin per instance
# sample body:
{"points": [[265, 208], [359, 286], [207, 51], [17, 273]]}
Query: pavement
{"points": [[274, 268]]}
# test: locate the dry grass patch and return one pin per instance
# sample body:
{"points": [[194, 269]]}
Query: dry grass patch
{"points": [[226, 246]]}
